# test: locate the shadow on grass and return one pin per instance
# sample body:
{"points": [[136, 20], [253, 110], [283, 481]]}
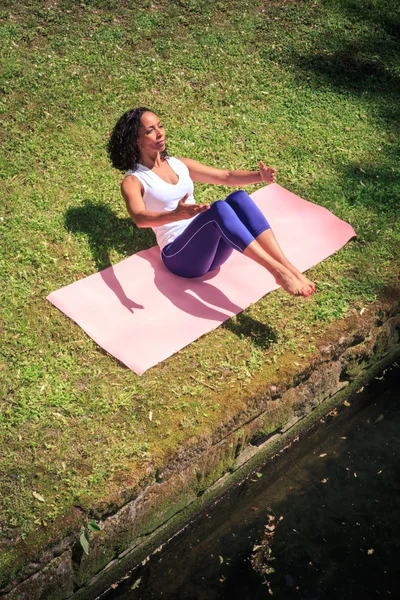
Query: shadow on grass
{"points": [[374, 186], [260, 334], [105, 232], [360, 57]]}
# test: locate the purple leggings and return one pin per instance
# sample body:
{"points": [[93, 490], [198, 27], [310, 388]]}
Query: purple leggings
{"points": [[209, 240]]}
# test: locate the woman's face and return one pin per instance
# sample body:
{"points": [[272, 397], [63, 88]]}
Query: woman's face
{"points": [[151, 137]]}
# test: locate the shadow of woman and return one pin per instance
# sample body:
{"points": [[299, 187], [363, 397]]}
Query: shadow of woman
{"points": [[105, 232], [198, 297], [193, 296]]}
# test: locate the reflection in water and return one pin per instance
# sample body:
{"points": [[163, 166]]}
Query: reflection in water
{"points": [[338, 493]]}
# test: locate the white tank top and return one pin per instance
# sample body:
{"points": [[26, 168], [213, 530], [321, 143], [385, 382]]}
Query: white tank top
{"points": [[160, 196]]}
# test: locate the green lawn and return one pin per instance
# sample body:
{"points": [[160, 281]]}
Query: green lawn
{"points": [[310, 87]]}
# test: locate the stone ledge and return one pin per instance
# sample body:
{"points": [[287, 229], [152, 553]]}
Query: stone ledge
{"points": [[203, 469]]}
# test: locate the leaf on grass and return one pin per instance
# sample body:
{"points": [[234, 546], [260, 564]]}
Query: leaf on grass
{"points": [[38, 497], [84, 542], [221, 560], [259, 475], [346, 403], [151, 415], [322, 455], [379, 418], [136, 584], [93, 526]]}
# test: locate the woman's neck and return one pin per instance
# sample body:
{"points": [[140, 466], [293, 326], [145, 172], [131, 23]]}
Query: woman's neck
{"points": [[151, 161]]}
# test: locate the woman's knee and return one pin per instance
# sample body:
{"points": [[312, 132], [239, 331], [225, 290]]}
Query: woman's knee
{"points": [[239, 197], [220, 208]]}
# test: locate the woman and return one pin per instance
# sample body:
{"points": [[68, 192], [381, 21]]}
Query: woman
{"points": [[194, 238]]}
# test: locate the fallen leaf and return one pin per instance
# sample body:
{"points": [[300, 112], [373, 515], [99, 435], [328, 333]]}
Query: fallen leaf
{"points": [[114, 586], [322, 455], [151, 415], [221, 560], [347, 128], [379, 419], [84, 542], [136, 584], [38, 497], [346, 403], [324, 480], [362, 311], [371, 551], [355, 474]]}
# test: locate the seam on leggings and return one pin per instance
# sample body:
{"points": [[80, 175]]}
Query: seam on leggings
{"points": [[196, 232]]}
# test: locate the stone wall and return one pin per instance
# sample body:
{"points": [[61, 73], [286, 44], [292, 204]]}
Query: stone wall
{"points": [[205, 468]]}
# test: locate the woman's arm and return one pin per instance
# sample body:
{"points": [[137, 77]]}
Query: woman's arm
{"points": [[132, 192], [205, 174]]}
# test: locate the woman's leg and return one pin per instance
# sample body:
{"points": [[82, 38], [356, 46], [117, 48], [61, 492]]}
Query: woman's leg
{"points": [[268, 241], [255, 222], [202, 247], [194, 252]]}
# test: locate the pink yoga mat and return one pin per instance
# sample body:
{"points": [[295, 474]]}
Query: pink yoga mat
{"points": [[141, 313]]}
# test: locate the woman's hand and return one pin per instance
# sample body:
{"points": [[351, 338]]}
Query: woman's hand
{"points": [[186, 211], [267, 173]]}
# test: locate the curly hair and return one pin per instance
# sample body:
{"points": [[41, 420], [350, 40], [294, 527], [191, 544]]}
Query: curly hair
{"points": [[122, 146]]}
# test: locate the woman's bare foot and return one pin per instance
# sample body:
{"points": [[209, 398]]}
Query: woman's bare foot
{"points": [[292, 284], [311, 285], [303, 279]]}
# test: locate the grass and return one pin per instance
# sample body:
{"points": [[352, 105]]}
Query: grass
{"points": [[309, 87]]}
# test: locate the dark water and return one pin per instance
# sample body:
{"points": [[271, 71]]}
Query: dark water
{"points": [[338, 491]]}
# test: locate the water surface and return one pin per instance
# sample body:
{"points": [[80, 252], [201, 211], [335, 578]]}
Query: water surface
{"points": [[338, 491]]}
